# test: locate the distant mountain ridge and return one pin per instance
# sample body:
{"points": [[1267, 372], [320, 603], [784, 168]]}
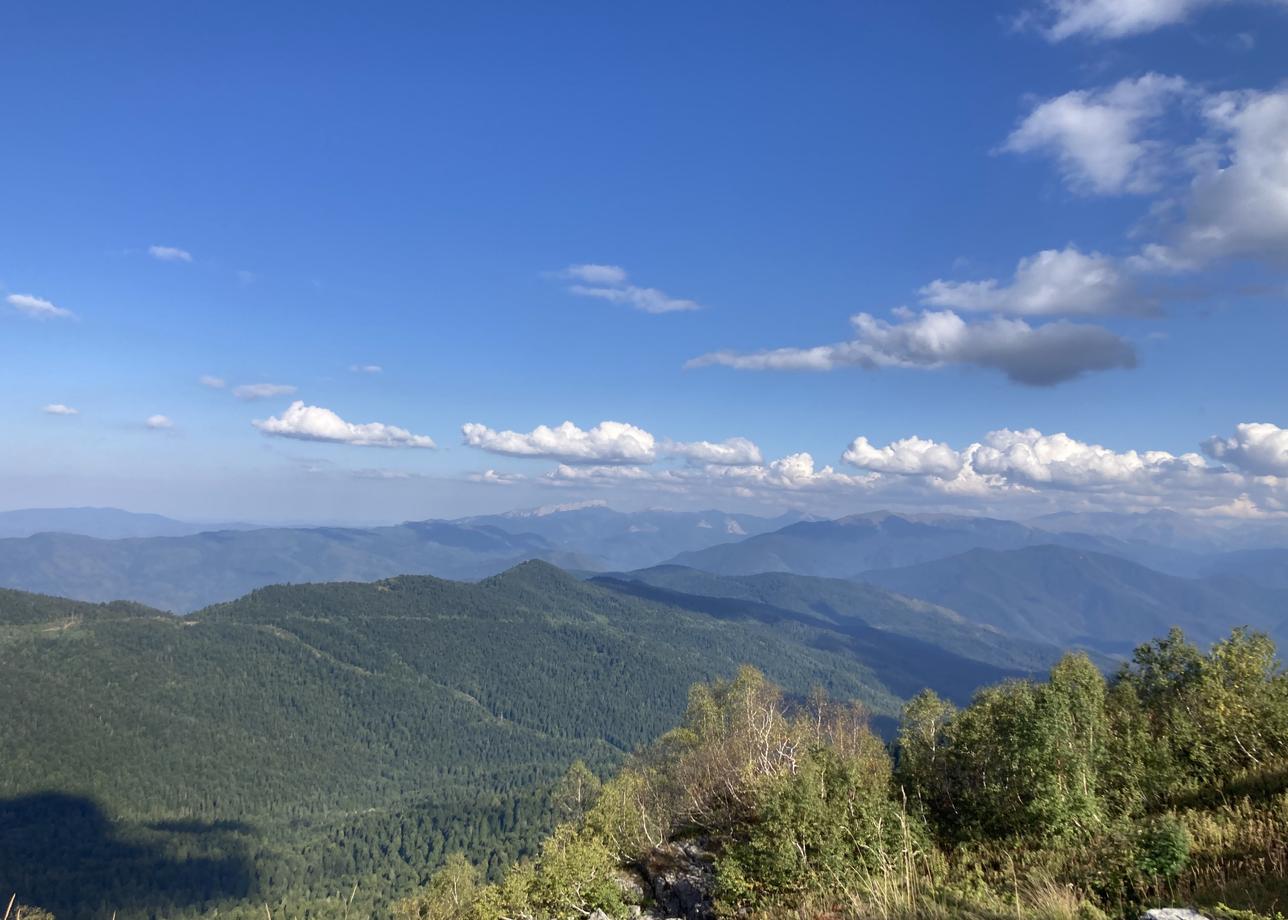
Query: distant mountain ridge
{"points": [[188, 571], [847, 546], [1068, 596], [104, 523], [631, 540]]}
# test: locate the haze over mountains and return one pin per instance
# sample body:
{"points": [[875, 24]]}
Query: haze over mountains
{"points": [[1113, 568]]}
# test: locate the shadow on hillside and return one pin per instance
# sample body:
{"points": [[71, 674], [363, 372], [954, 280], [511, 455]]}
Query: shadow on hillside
{"points": [[903, 664], [63, 853]]}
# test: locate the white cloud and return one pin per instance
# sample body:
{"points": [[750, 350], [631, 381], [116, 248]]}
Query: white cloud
{"points": [[60, 409], [794, 473], [1259, 448], [611, 283], [1032, 458], [252, 391], [1036, 356], [314, 423], [595, 274], [1096, 135], [1004, 471], [1233, 203], [607, 442], [494, 478], [215, 383], [169, 254], [158, 422], [1237, 204], [37, 307], [909, 456], [730, 452], [366, 368], [1115, 18], [1053, 282]]}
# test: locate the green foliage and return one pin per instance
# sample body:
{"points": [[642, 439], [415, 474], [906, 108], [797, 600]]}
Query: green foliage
{"points": [[1164, 847], [1021, 760], [450, 894], [830, 826]]}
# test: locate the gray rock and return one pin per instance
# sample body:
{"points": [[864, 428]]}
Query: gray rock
{"points": [[1173, 913], [681, 879]]}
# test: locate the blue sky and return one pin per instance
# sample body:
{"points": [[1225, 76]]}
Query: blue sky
{"points": [[282, 193]]}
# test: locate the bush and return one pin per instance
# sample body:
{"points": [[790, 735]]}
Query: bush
{"points": [[1163, 848]]}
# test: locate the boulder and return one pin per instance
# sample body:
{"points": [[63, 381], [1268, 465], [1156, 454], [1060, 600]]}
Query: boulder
{"points": [[1173, 913], [680, 877]]}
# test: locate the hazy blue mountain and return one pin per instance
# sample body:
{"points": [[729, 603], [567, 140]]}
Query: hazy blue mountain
{"points": [[1164, 528], [1266, 567], [105, 523], [845, 547], [188, 572], [1072, 597], [634, 539]]}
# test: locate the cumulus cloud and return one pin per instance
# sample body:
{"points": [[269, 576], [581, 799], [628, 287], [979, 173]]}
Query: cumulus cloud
{"points": [[909, 456], [1029, 465], [1097, 135], [611, 283], [253, 391], [314, 423], [60, 409], [1237, 204], [1106, 19], [729, 452], [495, 478], [1029, 457], [37, 307], [1005, 470], [1053, 282], [169, 254], [1232, 204], [794, 473], [1259, 448], [607, 442], [209, 380], [158, 422], [1035, 356]]}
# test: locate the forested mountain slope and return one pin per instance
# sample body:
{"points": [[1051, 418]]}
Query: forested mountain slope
{"points": [[291, 736], [841, 601]]}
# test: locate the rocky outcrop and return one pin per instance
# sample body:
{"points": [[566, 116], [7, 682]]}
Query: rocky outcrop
{"points": [[678, 880], [1173, 913]]}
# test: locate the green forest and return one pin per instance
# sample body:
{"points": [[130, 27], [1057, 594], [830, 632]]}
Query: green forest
{"points": [[356, 750], [322, 748], [1074, 797]]}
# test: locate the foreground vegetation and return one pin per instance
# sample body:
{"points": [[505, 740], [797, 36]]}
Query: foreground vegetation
{"points": [[1076, 797]]}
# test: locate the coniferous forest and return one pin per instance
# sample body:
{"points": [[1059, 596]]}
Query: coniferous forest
{"points": [[333, 750]]}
